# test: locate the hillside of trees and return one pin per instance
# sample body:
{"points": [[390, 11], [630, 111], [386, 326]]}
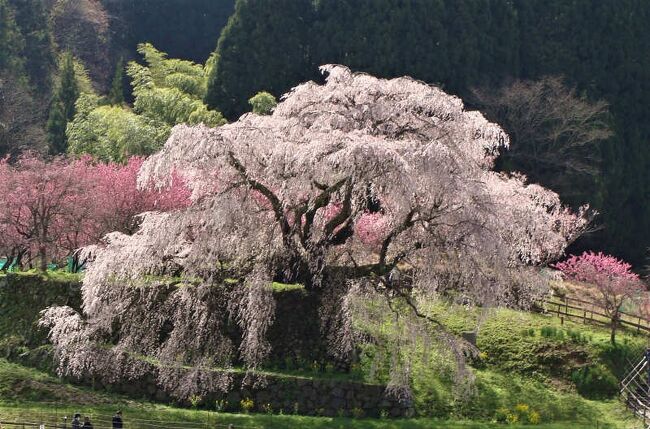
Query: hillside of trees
{"points": [[599, 47], [477, 49]]}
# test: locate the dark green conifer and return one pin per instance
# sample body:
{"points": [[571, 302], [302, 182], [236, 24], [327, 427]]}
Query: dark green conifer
{"points": [[116, 94], [62, 109]]}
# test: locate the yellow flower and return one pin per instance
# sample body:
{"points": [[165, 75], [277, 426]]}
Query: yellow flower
{"points": [[521, 408], [534, 418]]}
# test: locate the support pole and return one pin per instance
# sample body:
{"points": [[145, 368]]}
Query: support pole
{"points": [[647, 360]]}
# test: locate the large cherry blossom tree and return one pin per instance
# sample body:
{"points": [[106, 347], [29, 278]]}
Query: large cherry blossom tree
{"points": [[360, 189]]}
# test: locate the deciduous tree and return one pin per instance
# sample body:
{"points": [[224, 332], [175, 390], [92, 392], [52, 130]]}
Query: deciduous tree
{"points": [[554, 134], [263, 103], [52, 208], [342, 188], [610, 282], [42, 204], [116, 94], [63, 105]]}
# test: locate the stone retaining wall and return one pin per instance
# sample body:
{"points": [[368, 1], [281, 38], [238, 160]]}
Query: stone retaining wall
{"points": [[282, 394]]}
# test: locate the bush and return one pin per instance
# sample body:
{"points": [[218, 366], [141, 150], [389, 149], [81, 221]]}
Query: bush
{"points": [[520, 414], [595, 382], [552, 332], [534, 418], [501, 415], [246, 405], [263, 103]]}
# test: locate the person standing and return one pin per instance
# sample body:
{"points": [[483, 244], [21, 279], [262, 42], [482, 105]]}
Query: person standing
{"points": [[117, 420], [76, 423], [87, 424]]}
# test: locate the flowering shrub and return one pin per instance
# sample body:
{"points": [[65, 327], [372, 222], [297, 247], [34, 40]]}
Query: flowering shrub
{"points": [[534, 418], [195, 401], [246, 405], [521, 413]]}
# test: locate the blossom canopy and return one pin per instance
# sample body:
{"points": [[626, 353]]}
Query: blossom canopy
{"points": [[343, 186]]}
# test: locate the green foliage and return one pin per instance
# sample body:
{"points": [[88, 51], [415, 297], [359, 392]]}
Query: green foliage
{"points": [[167, 92], [432, 372], [62, 110], [195, 401], [595, 381], [263, 103], [278, 287], [18, 383], [56, 126], [68, 89], [84, 83], [112, 133], [276, 34], [38, 50], [170, 90], [23, 296], [11, 40], [170, 416], [246, 405], [116, 94]]}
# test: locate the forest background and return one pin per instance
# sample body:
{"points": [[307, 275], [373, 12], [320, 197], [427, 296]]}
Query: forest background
{"points": [[470, 47]]}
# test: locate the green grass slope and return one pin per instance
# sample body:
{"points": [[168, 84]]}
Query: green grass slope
{"points": [[529, 363], [28, 395]]}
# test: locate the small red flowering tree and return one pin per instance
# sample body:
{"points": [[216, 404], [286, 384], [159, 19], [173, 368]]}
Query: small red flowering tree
{"points": [[612, 282]]}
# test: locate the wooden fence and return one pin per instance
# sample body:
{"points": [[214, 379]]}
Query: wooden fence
{"points": [[577, 309]]}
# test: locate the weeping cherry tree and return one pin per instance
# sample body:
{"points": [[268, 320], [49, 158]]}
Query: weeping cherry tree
{"points": [[363, 190]]}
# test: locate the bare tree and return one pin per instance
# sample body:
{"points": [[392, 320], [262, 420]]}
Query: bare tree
{"points": [[21, 118], [554, 133]]}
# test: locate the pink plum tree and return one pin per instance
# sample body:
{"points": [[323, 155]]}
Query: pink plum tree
{"points": [[341, 188], [52, 208], [610, 282], [43, 204], [119, 200]]}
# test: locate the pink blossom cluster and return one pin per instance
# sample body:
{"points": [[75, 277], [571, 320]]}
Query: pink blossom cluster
{"points": [[597, 268], [52, 208]]}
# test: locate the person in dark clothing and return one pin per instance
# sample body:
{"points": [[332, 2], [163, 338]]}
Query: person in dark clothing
{"points": [[117, 420], [76, 423], [87, 424]]}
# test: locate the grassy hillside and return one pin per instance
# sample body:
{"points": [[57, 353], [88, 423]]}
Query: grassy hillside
{"points": [[563, 371], [529, 364], [28, 395], [22, 297]]}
